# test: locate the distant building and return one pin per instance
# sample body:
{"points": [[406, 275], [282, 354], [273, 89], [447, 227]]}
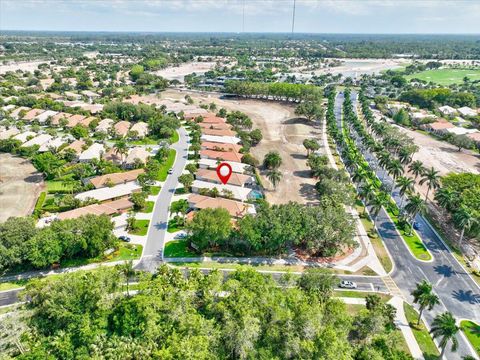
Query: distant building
{"points": [[447, 110], [466, 111]]}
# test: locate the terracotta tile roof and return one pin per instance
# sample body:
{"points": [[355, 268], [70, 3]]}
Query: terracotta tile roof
{"points": [[216, 126], [32, 114], [115, 178], [108, 208], [85, 122], [441, 125], [209, 145], [235, 208], [77, 146], [221, 155], [61, 115], [211, 175], [122, 127], [474, 136], [218, 132], [75, 119]]}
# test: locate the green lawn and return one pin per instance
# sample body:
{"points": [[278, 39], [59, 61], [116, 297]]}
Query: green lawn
{"points": [[424, 340], [15, 284], [154, 190], [148, 207], [163, 172], [141, 227], [55, 186], [39, 204], [125, 251], [472, 332], [359, 294], [144, 141], [174, 138], [446, 76], [173, 226], [177, 248]]}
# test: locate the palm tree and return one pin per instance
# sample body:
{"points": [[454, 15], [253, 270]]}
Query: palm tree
{"points": [[446, 198], [405, 186], [432, 179], [359, 176], [376, 204], [417, 168], [424, 296], [464, 219], [128, 271], [445, 327], [395, 169], [274, 176], [121, 148], [414, 206]]}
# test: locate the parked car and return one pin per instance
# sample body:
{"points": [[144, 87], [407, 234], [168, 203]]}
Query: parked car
{"points": [[348, 285], [416, 226], [170, 171], [124, 238]]}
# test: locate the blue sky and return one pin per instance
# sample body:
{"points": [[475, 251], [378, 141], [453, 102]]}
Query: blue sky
{"points": [[316, 16]]}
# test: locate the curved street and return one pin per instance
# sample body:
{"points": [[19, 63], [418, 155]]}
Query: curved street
{"points": [[457, 291]]}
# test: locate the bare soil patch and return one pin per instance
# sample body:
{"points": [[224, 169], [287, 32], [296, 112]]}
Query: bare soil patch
{"points": [[179, 72], [282, 131], [20, 185]]}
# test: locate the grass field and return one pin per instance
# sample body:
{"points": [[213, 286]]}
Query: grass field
{"points": [[163, 172], [177, 248], [446, 76], [424, 340], [148, 207], [174, 138], [141, 227], [472, 332], [154, 190], [55, 186]]}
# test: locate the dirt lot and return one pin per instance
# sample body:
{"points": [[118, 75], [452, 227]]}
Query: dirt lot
{"points": [[25, 66], [283, 132], [179, 72], [20, 185]]}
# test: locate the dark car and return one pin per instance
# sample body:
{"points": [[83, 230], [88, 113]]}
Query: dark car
{"points": [[124, 238], [416, 226]]}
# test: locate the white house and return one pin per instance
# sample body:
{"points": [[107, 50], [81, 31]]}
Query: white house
{"points": [[141, 128], [23, 137], [45, 115], [104, 125], [108, 193], [38, 140], [53, 143], [447, 110], [461, 131], [95, 151], [212, 164], [6, 134], [221, 139], [467, 111], [238, 193]]}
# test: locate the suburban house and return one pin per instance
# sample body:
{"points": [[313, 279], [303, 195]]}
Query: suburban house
{"points": [[237, 167], [395, 107], [104, 125], [221, 139], [235, 179], [447, 110], [208, 145], [58, 117], [90, 95], [121, 128], [113, 156], [475, 137], [6, 134], [110, 193], [76, 146], [236, 209], [54, 143], [438, 127], [141, 128], [86, 122], [38, 140], [213, 119], [194, 114], [137, 153], [95, 151], [467, 111], [15, 114], [218, 132], [43, 117], [32, 114], [23, 137], [74, 120], [107, 208], [221, 155], [237, 192], [461, 131], [115, 178], [214, 126]]}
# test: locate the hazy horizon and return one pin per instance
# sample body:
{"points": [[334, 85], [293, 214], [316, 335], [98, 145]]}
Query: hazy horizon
{"points": [[429, 17]]}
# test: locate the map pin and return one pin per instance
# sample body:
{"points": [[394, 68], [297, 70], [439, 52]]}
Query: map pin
{"points": [[224, 171]]}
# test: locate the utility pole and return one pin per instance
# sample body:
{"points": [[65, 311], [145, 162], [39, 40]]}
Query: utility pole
{"points": [[293, 17]]}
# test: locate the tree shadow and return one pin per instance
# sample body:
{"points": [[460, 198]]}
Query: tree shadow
{"points": [[299, 156], [35, 178], [308, 192], [161, 225], [466, 296], [445, 270], [306, 174], [298, 120]]}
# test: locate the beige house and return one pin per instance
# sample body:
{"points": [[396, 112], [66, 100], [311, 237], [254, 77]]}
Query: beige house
{"points": [[141, 128], [121, 128]]}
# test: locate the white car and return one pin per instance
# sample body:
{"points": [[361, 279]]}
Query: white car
{"points": [[348, 285], [170, 171]]}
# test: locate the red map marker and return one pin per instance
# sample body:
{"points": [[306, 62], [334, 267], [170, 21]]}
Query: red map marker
{"points": [[224, 171]]}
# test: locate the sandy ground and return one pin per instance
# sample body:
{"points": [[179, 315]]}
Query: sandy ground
{"points": [[357, 67], [282, 131], [179, 72], [25, 66], [20, 185]]}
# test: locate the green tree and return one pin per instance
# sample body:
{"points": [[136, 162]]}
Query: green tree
{"points": [[272, 160], [186, 180], [209, 228], [414, 206], [319, 282], [310, 109], [423, 296], [417, 168], [139, 200], [311, 145], [465, 220], [444, 327], [432, 178], [274, 176]]}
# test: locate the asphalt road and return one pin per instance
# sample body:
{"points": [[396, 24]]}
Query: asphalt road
{"points": [[153, 250], [457, 291], [9, 297]]}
